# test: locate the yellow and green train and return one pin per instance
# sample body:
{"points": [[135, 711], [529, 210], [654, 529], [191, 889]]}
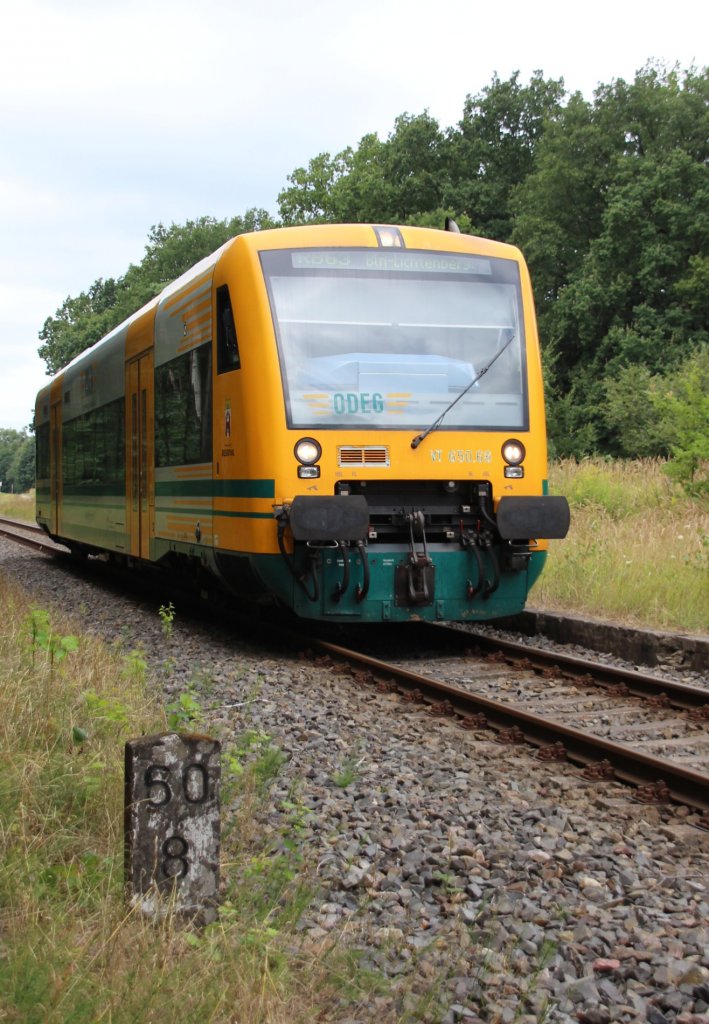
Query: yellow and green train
{"points": [[348, 418]]}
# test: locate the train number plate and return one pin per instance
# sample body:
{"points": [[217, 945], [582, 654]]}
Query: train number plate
{"points": [[462, 455]]}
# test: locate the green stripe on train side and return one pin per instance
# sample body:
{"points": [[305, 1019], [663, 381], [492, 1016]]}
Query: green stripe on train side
{"points": [[181, 511], [209, 488], [243, 515]]}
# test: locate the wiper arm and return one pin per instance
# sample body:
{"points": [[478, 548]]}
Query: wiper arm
{"points": [[434, 426]]}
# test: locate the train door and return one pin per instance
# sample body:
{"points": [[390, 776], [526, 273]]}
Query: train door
{"points": [[140, 429], [55, 464]]}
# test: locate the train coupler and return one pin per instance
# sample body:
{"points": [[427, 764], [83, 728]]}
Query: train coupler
{"points": [[415, 581]]}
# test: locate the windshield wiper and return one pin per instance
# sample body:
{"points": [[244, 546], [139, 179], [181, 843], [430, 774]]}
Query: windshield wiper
{"points": [[434, 426]]}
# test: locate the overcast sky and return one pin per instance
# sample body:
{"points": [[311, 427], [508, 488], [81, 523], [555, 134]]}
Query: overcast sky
{"points": [[118, 116]]}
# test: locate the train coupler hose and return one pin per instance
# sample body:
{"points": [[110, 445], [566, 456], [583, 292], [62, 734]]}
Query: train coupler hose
{"points": [[483, 585], [300, 578], [491, 587], [363, 588], [343, 584]]}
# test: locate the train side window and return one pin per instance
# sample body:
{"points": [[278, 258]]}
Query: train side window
{"points": [[227, 347], [42, 449], [183, 409], [93, 450]]}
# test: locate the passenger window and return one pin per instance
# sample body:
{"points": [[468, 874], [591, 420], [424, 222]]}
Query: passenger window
{"points": [[227, 348], [183, 409], [42, 450]]}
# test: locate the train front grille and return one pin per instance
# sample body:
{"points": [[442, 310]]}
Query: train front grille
{"points": [[353, 455]]}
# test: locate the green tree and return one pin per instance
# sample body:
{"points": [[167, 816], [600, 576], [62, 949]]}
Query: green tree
{"points": [[630, 413], [9, 440], [607, 198], [683, 408], [308, 199], [613, 222], [81, 321], [470, 170], [22, 468], [494, 148], [379, 181], [558, 208], [625, 305], [78, 323], [414, 168], [16, 460]]}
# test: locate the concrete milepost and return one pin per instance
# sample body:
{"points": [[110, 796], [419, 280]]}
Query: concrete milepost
{"points": [[172, 826]]}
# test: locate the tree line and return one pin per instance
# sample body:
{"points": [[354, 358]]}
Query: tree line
{"points": [[16, 461], [607, 198]]}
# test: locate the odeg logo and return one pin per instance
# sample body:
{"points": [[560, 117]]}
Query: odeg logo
{"points": [[358, 402]]}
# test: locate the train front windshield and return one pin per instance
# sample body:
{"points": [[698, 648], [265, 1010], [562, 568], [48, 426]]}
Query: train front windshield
{"points": [[387, 339]]}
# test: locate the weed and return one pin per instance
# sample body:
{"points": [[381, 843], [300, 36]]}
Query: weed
{"points": [[203, 681], [296, 821], [252, 755], [42, 638], [135, 667], [167, 618], [185, 713], [447, 881], [544, 1007], [167, 667], [348, 772], [107, 711]]}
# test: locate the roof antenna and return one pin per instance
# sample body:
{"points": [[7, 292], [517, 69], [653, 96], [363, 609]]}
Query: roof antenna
{"points": [[451, 225]]}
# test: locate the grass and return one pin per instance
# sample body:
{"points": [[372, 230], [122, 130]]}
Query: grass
{"points": [[70, 948], [18, 506], [637, 551]]}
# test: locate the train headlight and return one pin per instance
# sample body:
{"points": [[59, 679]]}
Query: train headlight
{"points": [[513, 453], [307, 451]]}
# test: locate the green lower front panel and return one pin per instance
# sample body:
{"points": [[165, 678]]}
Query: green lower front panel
{"points": [[450, 582]]}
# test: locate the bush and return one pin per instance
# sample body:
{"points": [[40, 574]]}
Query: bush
{"points": [[683, 408]]}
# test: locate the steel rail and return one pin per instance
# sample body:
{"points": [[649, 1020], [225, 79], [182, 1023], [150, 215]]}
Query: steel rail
{"points": [[681, 784], [11, 530], [681, 695], [21, 524]]}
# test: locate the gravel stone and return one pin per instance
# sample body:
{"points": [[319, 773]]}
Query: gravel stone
{"points": [[503, 888]]}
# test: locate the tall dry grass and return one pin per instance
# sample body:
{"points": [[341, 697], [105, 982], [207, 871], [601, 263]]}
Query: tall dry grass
{"points": [[18, 506], [71, 952], [637, 551]]}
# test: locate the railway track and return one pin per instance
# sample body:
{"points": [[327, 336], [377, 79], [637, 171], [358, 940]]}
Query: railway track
{"points": [[29, 535], [609, 721], [613, 723]]}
